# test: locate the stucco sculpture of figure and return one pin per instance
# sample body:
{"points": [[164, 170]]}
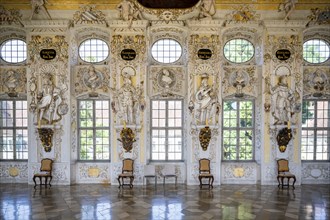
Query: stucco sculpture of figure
{"points": [[48, 101], [205, 101], [38, 6], [127, 101], [287, 6], [207, 9], [282, 102], [128, 11]]}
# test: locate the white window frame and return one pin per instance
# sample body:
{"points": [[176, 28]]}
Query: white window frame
{"points": [[315, 129], [166, 128], [237, 129], [15, 130], [94, 129]]}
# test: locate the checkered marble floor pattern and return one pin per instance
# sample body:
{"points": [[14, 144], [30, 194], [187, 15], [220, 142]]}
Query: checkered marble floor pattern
{"points": [[93, 201]]}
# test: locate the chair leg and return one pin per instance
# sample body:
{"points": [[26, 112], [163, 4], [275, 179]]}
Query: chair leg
{"points": [[51, 177], [34, 180], [200, 182], [119, 182], [212, 179], [294, 181]]}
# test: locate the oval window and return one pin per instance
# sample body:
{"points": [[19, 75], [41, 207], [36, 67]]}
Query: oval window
{"points": [[93, 50], [238, 50], [316, 51], [13, 51], [166, 51]]}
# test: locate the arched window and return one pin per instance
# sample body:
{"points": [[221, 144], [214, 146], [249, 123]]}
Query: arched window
{"points": [[316, 51], [93, 50], [238, 50], [166, 51], [13, 51]]}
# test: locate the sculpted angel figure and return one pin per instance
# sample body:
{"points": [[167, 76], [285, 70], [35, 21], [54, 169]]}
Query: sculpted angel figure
{"points": [[37, 6], [128, 11], [287, 6]]}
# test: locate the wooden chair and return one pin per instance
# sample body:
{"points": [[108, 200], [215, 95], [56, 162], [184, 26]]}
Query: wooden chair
{"points": [[169, 171], [127, 172], [205, 173], [45, 172], [283, 173], [150, 172]]}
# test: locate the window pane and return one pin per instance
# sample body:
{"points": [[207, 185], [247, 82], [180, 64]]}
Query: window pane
{"points": [[237, 138], [166, 51], [93, 50], [238, 50], [94, 130], [316, 51], [315, 130], [13, 51], [13, 130]]}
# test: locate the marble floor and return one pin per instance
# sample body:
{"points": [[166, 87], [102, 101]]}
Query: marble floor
{"points": [[93, 201]]}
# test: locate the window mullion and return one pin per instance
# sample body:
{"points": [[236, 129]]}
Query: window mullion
{"points": [[166, 130], [237, 130], [14, 130], [315, 129], [94, 130]]}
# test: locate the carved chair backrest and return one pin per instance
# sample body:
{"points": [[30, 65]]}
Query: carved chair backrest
{"points": [[128, 165], [46, 165], [204, 166], [282, 165]]}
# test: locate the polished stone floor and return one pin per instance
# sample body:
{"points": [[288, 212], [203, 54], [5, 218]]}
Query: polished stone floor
{"points": [[92, 201]]}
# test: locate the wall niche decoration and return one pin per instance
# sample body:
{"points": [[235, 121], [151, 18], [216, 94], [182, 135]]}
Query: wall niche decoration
{"points": [[46, 138], [127, 138], [205, 136]]}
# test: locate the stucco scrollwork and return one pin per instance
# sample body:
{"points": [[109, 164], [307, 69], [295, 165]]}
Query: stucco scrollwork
{"points": [[10, 16]]}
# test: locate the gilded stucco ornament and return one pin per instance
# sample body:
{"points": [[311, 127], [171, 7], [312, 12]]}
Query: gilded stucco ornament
{"points": [[205, 136], [127, 138], [10, 17], [319, 16], [242, 14], [46, 138], [283, 138], [89, 15]]}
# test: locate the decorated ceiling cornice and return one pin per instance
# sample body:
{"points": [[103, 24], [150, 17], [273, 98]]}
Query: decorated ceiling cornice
{"points": [[112, 4]]}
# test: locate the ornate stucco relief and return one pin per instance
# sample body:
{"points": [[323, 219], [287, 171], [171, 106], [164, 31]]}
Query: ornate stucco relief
{"points": [[240, 81], [166, 81], [319, 17], [10, 17], [93, 173], [316, 82], [315, 173], [91, 79], [89, 15], [14, 81], [13, 172], [242, 14], [239, 172]]}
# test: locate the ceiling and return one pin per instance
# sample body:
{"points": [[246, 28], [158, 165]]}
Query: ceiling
{"points": [[112, 4]]}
